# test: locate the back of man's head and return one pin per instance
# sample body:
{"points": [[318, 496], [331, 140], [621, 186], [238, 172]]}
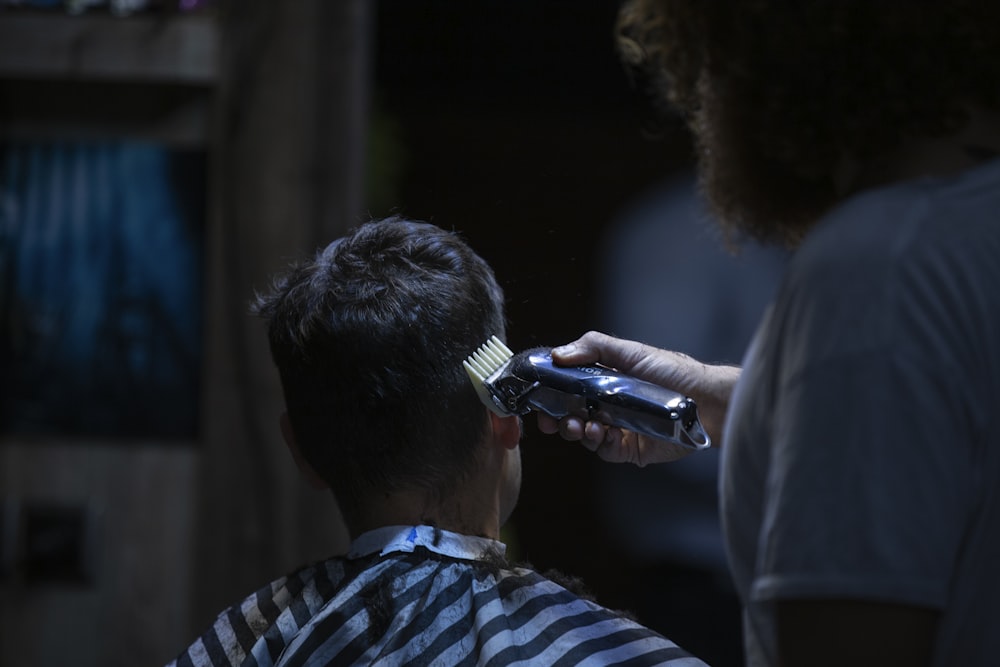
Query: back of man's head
{"points": [[369, 338]]}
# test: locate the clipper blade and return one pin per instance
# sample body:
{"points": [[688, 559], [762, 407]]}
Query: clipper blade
{"points": [[484, 362]]}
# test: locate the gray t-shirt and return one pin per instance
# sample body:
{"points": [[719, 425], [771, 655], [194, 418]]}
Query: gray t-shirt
{"points": [[862, 452]]}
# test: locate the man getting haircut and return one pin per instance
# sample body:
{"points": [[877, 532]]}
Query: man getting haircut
{"points": [[369, 338]]}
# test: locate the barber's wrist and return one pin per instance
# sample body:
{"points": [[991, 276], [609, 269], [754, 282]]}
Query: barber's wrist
{"points": [[714, 397]]}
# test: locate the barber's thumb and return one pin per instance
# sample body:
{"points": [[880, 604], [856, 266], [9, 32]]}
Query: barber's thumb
{"points": [[564, 351], [566, 354], [576, 352]]}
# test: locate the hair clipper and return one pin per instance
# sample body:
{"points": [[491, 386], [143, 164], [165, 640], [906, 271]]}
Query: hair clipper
{"points": [[512, 384]]}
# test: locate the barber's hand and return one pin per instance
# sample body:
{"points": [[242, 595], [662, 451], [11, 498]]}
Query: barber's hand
{"points": [[709, 386]]}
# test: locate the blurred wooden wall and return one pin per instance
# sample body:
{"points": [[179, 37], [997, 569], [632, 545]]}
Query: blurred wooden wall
{"points": [[276, 93], [288, 157]]}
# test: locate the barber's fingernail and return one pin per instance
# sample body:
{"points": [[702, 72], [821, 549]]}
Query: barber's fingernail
{"points": [[563, 350]]}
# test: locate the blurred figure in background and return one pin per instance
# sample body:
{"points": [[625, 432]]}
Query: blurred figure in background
{"points": [[668, 280]]}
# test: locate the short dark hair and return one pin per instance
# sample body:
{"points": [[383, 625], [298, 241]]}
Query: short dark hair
{"points": [[369, 338], [797, 86]]}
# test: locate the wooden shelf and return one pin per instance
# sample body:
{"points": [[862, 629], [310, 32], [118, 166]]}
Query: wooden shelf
{"points": [[148, 77], [159, 48]]}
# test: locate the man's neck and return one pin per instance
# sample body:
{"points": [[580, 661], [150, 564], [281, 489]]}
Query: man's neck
{"points": [[476, 503], [467, 514]]}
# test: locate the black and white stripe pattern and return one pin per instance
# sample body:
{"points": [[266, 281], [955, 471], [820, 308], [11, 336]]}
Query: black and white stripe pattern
{"points": [[419, 606]]}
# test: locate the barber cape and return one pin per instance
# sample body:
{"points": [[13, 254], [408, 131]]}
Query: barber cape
{"points": [[417, 595]]}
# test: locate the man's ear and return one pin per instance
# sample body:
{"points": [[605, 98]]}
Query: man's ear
{"points": [[308, 471], [506, 430]]}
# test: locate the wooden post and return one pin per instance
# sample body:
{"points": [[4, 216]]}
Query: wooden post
{"points": [[287, 164]]}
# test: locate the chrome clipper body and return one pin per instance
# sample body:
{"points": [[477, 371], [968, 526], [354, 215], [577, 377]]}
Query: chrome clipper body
{"points": [[530, 380]]}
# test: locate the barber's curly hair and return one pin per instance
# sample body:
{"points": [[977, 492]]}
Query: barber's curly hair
{"points": [[804, 84]]}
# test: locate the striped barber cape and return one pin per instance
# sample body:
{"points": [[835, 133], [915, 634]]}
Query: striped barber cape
{"points": [[417, 595]]}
